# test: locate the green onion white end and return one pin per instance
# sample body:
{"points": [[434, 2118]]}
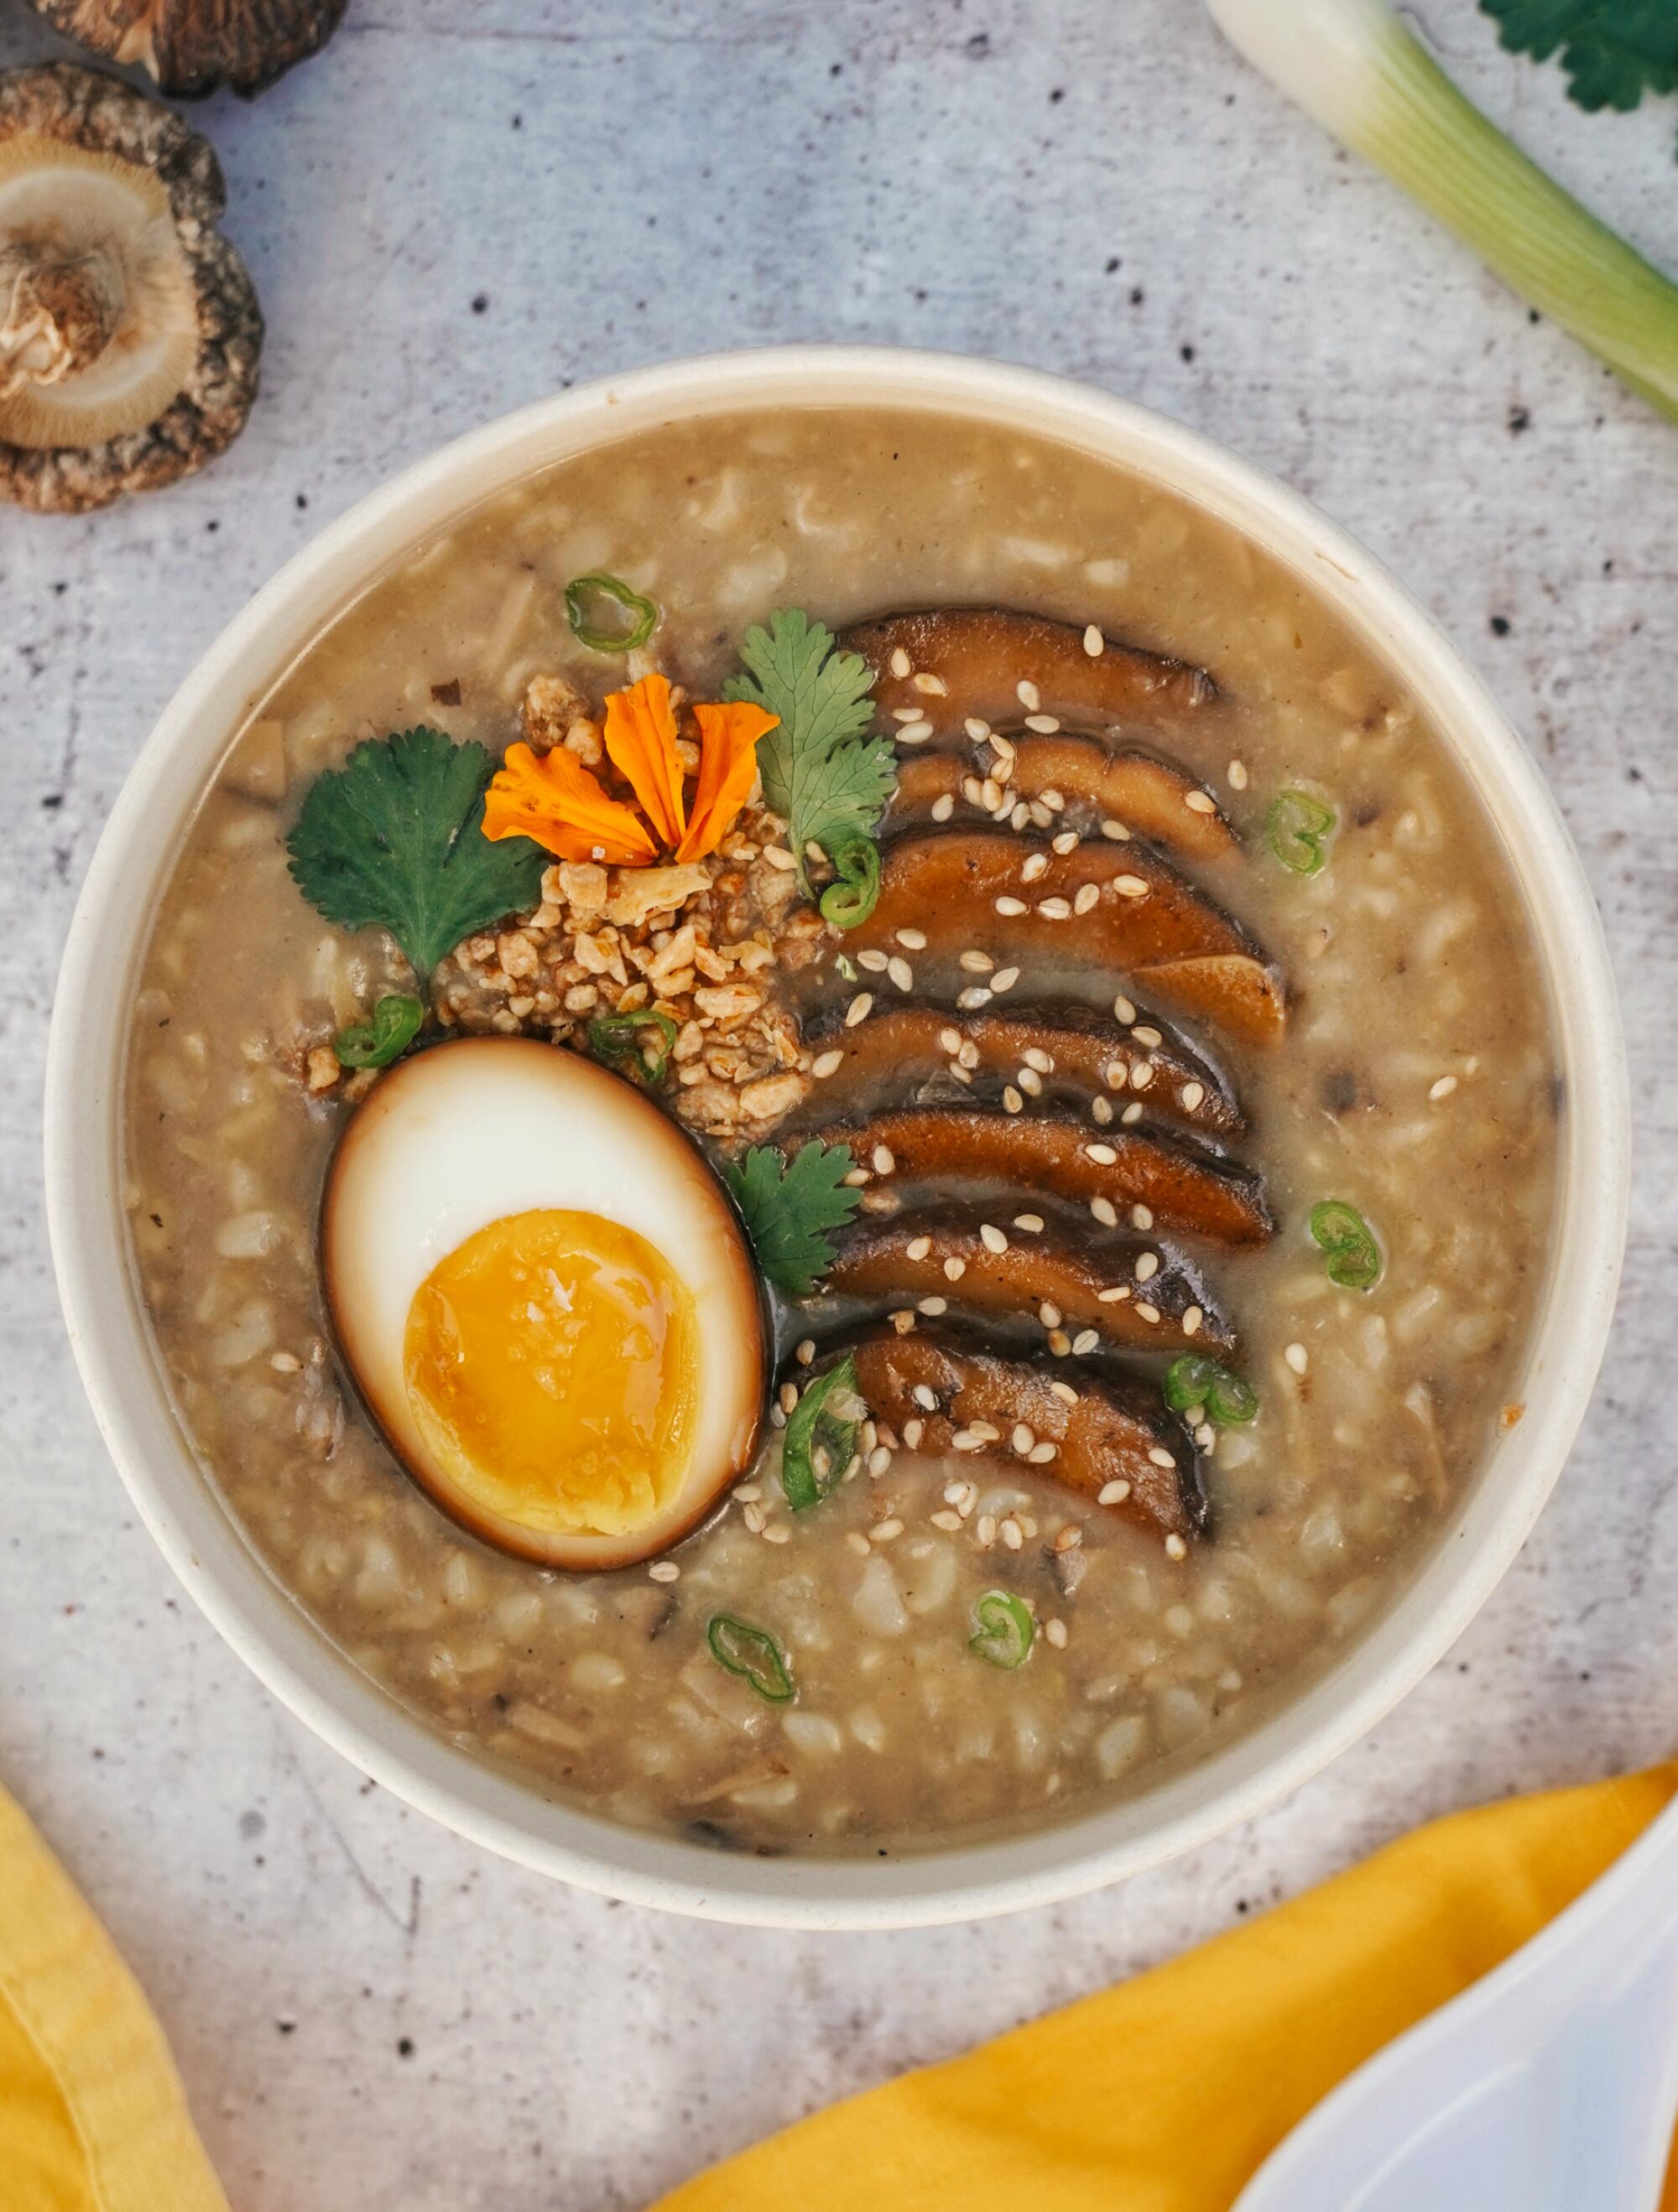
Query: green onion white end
{"points": [[1355, 68]]}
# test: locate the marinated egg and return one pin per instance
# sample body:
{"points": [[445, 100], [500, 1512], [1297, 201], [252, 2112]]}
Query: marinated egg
{"points": [[545, 1299]]}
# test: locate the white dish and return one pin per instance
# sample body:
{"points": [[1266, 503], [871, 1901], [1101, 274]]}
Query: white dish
{"points": [[108, 1329]]}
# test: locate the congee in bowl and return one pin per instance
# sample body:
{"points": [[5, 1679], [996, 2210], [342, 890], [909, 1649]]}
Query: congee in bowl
{"points": [[839, 1133]]}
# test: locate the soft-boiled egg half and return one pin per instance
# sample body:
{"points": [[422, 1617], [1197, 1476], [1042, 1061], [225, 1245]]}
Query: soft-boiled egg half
{"points": [[545, 1299]]}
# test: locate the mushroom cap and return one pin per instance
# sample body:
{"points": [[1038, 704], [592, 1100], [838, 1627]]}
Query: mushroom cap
{"points": [[191, 46], [129, 332]]}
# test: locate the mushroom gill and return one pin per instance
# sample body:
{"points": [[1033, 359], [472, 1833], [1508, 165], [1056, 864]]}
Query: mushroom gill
{"points": [[129, 331], [191, 47]]}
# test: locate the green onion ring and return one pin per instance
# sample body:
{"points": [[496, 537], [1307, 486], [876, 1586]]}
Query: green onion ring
{"points": [[810, 1424], [754, 1654], [617, 1037], [396, 1020], [1298, 827], [1193, 1380], [1004, 1630], [851, 899], [1354, 1257], [641, 615]]}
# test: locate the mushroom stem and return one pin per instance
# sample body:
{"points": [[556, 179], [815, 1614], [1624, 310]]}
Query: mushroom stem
{"points": [[59, 317]]}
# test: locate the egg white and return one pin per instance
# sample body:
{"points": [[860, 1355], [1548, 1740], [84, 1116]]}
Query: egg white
{"points": [[480, 1127]]}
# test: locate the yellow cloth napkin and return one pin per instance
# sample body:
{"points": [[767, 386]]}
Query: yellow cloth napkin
{"points": [[1167, 2093], [92, 2119]]}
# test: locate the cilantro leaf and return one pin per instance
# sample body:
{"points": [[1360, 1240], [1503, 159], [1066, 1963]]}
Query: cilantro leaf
{"points": [[789, 1206], [818, 769], [1612, 51], [392, 841]]}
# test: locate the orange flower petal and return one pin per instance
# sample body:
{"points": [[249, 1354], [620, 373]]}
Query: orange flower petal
{"points": [[728, 739], [552, 797], [640, 742]]}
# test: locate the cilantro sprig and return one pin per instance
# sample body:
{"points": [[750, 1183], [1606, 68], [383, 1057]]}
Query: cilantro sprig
{"points": [[819, 768], [1611, 54], [391, 841], [790, 1206]]}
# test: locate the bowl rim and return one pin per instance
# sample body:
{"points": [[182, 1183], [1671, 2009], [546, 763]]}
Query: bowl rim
{"points": [[240, 1594]]}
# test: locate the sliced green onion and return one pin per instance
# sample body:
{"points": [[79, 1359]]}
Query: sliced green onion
{"points": [[1003, 1631], [1297, 828], [851, 899], [1353, 1255], [812, 1428], [1193, 1380], [631, 619], [753, 1653], [618, 1037], [396, 1023], [846, 967], [1354, 67]]}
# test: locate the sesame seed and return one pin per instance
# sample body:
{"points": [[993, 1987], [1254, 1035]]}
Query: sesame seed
{"points": [[985, 1529], [1101, 1110], [1102, 1155], [1002, 747], [1054, 1632], [973, 790], [945, 1519], [1052, 801], [1130, 1114], [1124, 1011], [1035, 1056], [924, 1396], [990, 793], [883, 1531], [1114, 1295], [1021, 814], [1012, 1101], [1011, 1533], [1176, 1548], [858, 1542], [1051, 909], [1115, 830], [1028, 696], [1141, 1074], [1059, 1343], [874, 961], [954, 1268], [1130, 887], [805, 1351], [754, 1517], [964, 1441], [1297, 1358], [976, 729], [1192, 1095], [907, 713], [858, 1009], [900, 663], [1041, 1455], [879, 1459], [779, 857], [1005, 979], [829, 1063], [912, 940], [933, 686], [1237, 776], [1199, 802], [900, 972], [1029, 1082], [749, 1492], [913, 1432], [664, 1571], [1147, 1036], [1086, 1340], [1088, 894], [918, 1247], [932, 1307], [1066, 842], [1065, 1393], [1010, 906], [1093, 642], [1044, 725], [1159, 1456], [1148, 1266], [968, 1055], [1145, 1312], [915, 733], [991, 1238], [1035, 864], [788, 1396], [1023, 1438], [943, 806], [1105, 1212], [1113, 1493], [1117, 1072], [884, 1159], [975, 996], [1050, 1315], [1443, 1087], [1192, 1318], [976, 962]]}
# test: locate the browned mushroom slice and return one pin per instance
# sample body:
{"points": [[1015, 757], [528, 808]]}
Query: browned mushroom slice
{"points": [[1127, 788], [1124, 1288], [1105, 1170], [192, 46], [961, 663], [1070, 1049], [930, 1389], [1116, 906]]}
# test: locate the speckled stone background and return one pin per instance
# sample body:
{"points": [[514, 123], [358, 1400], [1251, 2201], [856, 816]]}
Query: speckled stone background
{"points": [[462, 204]]}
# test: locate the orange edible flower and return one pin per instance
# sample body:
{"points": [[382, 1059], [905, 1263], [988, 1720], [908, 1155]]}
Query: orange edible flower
{"points": [[641, 743], [553, 798], [728, 739]]}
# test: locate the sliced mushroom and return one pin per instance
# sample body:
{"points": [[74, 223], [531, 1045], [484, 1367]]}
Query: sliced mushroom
{"points": [[1118, 907], [1113, 1443], [1124, 1287], [1129, 788], [1061, 1157], [1070, 1049], [961, 663], [193, 46], [130, 333]]}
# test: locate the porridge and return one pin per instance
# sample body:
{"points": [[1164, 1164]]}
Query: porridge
{"points": [[830, 1227]]}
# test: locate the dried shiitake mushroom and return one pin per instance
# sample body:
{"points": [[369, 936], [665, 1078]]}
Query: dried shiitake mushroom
{"points": [[193, 46], [129, 332]]}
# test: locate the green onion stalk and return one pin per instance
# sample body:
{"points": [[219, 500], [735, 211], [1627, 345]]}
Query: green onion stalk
{"points": [[1353, 67]]}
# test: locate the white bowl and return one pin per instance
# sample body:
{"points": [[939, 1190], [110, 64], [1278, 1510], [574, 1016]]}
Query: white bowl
{"points": [[108, 1330]]}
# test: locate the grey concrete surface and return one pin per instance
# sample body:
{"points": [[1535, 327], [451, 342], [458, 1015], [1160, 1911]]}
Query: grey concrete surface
{"points": [[457, 208]]}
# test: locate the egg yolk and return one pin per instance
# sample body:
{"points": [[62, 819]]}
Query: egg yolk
{"points": [[550, 1362]]}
